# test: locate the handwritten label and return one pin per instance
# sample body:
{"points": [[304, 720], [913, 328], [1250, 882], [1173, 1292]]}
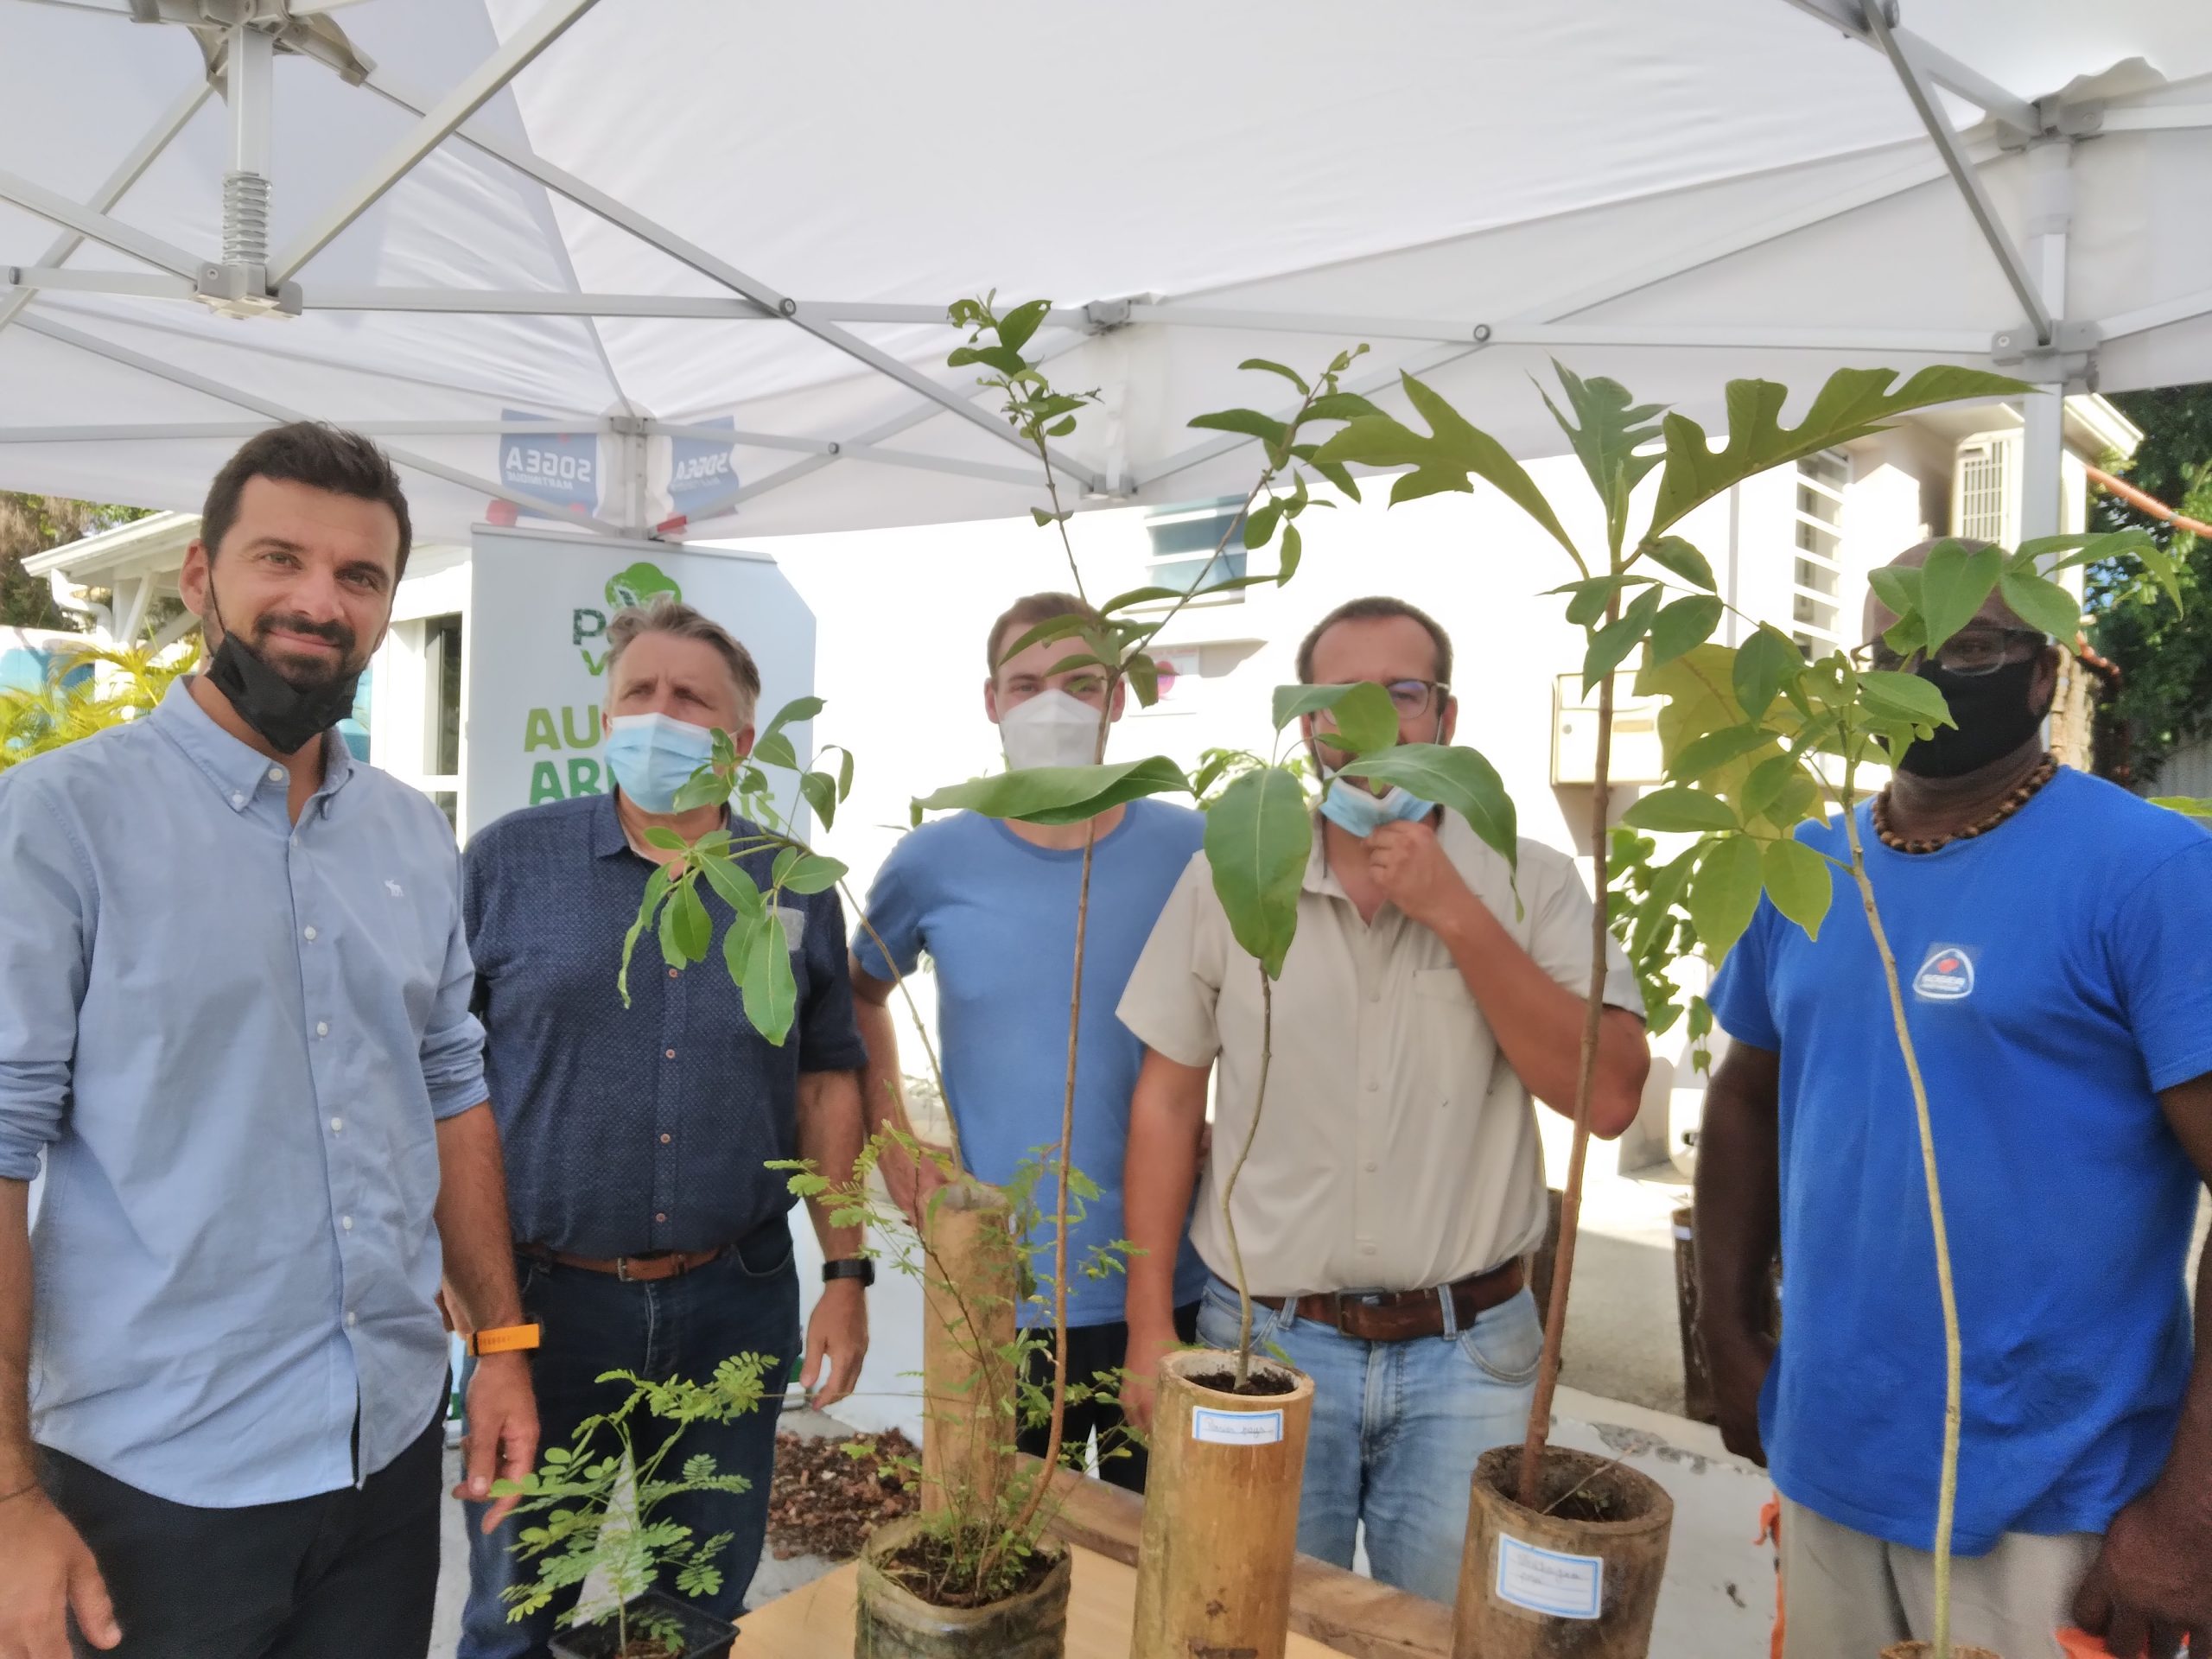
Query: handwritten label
{"points": [[1545, 1581], [1236, 1428]]}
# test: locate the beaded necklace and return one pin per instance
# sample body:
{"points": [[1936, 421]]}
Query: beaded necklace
{"points": [[2045, 770]]}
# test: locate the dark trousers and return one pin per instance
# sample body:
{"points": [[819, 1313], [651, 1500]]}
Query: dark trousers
{"points": [[744, 1301], [335, 1576], [1093, 1349]]}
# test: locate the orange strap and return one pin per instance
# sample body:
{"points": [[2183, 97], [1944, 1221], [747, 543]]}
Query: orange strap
{"points": [[504, 1339]]}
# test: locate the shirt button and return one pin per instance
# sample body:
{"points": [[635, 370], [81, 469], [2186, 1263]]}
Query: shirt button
{"points": [[322, 1027], [337, 1124], [346, 1222], [668, 1053], [352, 1320], [671, 973], [663, 1140], [1372, 1167], [661, 1215], [1367, 1250], [1372, 1086], [276, 774], [307, 933], [238, 799], [295, 841]]}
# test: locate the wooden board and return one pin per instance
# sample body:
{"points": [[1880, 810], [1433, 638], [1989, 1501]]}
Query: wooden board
{"points": [[816, 1621]]}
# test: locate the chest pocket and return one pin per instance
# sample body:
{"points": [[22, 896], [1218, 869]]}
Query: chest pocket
{"points": [[1452, 1051]]}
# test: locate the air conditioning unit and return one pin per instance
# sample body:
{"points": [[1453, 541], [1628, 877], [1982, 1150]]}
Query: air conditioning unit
{"points": [[1636, 758], [1985, 488]]}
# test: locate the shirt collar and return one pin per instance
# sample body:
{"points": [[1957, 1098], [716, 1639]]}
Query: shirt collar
{"points": [[610, 840], [237, 769]]}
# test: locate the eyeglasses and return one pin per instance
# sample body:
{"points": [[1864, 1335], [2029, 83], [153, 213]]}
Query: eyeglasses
{"points": [[1974, 652], [1413, 698]]}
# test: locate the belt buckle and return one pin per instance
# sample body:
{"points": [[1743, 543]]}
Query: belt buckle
{"points": [[622, 1270], [1343, 1305]]}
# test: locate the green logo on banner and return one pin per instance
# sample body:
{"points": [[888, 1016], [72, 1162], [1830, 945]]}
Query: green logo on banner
{"points": [[640, 584]]}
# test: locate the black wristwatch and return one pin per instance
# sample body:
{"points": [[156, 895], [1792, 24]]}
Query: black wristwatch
{"points": [[862, 1268]]}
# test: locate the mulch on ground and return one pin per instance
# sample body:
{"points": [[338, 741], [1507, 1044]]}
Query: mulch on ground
{"points": [[825, 1501]]}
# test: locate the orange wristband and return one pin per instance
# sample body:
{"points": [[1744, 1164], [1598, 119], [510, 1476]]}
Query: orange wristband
{"points": [[504, 1339]]}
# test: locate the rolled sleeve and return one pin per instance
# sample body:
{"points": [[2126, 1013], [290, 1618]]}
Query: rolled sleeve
{"points": [[1559, 935], [453, 1041], [828, 1035], [1172, 1002], [46, 931]]}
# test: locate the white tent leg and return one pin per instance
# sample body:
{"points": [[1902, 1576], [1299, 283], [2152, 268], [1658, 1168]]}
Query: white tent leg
{"points": [[2050, 199]]}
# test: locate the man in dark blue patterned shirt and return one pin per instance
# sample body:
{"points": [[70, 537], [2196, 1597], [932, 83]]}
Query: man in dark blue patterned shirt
{"points": [[649, 1233]]}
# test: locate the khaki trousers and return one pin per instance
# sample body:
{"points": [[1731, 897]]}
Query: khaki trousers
{"points": [[1847, 1596]]}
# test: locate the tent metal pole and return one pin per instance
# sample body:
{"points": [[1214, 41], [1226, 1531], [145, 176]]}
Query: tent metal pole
{"points": [[2050, 195], [158, 431], [94, 225], [1941, 343], [1854, 18], [139, 284], [546, 303], [2170, 117], [707, 264], [116, 185], [2145, 318], [1964, 175], [228, 394], [520, 50]]}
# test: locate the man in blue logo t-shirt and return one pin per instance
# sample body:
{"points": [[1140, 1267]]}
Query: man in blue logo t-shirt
{"points": [[993, 903], [2050, 931]]}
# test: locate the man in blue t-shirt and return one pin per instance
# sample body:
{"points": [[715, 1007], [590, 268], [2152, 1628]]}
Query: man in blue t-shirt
{"points": [[993, 903], [2051, 932]]}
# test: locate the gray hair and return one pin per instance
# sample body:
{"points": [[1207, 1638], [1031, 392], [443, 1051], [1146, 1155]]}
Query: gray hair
{"points": [[664, 614]]}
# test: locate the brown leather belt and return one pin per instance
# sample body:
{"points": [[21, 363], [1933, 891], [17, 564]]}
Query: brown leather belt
{"points": [[1401, 1315], [629, 1269]]}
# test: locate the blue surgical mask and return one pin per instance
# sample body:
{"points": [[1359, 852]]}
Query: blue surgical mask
{"points": [[1351, 808], [652, 756]]}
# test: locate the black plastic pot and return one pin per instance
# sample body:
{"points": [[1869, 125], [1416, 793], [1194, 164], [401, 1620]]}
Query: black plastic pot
{"points": [[703, 1636]]}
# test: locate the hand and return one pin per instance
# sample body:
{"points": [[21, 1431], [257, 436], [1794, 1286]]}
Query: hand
{"points": [[502, 1438], [1409, 864], [2153, 1582], [1738, 1365], [47, 1573], [911, 1181], [837, 1331], [1139, 1381]]}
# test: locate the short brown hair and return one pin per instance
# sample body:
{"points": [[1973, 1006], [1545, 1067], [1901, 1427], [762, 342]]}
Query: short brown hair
{"points": [[1376, 608], [1027, 612], [318, 454], [666, 614]]}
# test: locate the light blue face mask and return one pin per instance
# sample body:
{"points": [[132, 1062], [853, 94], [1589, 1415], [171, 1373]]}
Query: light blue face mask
{"points": [[1351, 808], [652, 756]]}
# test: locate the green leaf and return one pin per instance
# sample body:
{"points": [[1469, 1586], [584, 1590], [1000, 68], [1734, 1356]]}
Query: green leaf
{"points": [[1612, 427], [1955, 583], [1897, 588], [2186, 805], [695, 930], [656, 889], [2092, 549], [1768, 782], [812, 873], [705, 787], [1061, 428], [1334, 471], [1716, 749], [1291, 375], [775, 750], [1340, 406], [1139, 596], [1447, 458], [1052, 627], [797, 712], [1364, 717], [728, 879], [1680, 811], [1060, 794], [1592, 595], [1616, 639], [1460, 779], [1904, 696], [1017, 325], [662, 836], [1798, 881], [1675, 554], [1853, 403], [1043, 518], [1260, 525], [760, 963], [1248, 422], [1683, 625], [2042, 605], [1763, 663], [1725, 895], [1003, 359], [1258, 839], [844, 773], [820, 790], [1292, 549]]}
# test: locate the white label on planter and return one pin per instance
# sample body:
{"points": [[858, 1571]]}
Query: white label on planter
{"points": [[1545, 1581], [1236, 1428]]}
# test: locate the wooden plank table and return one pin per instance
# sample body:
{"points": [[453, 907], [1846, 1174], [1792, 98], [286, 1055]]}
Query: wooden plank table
{"points": [[816, 1621]]}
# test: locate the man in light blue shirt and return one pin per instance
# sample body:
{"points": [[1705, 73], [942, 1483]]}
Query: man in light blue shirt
{"points": [[234, 1024], [994, 903]]}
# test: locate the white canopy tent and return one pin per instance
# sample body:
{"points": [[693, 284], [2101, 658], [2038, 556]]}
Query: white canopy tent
{"points": [[552, 251]]}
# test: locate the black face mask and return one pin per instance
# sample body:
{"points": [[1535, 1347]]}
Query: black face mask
{"points": [[287, 716], [1994, 720]]}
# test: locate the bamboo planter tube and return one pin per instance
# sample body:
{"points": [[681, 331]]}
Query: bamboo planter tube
{"points": [[891, 1622], [1220, 1514], [1546, 1587], [970, 1286]]}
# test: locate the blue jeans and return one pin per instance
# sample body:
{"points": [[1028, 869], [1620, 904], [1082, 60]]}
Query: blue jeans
{"points": [[1397, 1428], [744, 1301]]}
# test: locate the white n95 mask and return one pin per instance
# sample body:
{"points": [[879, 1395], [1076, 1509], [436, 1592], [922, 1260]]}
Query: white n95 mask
{"points": [[1050, 729]]}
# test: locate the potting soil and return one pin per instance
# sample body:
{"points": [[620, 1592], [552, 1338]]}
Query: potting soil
{"points": [[825, 1501]]}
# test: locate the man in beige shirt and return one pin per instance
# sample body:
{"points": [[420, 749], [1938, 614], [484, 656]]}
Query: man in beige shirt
{"points": [[1396, 1179]]}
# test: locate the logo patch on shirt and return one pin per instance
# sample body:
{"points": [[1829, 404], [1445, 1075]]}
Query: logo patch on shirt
{"points": [[1946, 976], [395, 889]]}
